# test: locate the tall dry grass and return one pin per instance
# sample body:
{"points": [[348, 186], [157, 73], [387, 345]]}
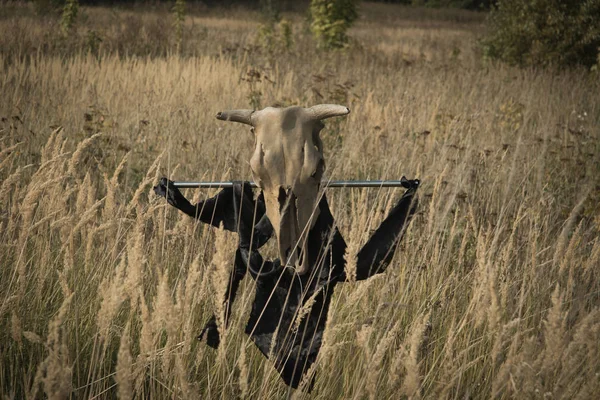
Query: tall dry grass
{"points": [[103, 288]]}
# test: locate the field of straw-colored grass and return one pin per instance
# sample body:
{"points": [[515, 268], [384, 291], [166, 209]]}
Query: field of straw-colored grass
{"points": [[494, 293]]}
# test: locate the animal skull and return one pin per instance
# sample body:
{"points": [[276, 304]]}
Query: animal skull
{"points": [[287, 164]]}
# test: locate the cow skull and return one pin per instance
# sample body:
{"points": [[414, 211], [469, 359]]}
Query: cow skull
{"points": [[287, 164]]}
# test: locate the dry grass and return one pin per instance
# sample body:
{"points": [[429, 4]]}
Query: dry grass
{"points": [[104, 288]]}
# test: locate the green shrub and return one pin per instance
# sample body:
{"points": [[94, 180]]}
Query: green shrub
{"points": [[92, 42], [274, 33], [285, 26], [179, 15], [544, 32], [330, 19], [69, 16], [276, 37]]}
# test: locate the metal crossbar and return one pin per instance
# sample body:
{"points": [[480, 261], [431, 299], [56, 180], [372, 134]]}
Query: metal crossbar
{"points": [[329, 184]]}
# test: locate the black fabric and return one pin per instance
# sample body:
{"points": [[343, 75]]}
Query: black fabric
{"points": [[232, 207], [284, 332]]}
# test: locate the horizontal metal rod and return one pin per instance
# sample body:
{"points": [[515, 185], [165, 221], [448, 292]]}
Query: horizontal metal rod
{"points": [[332, 184]]}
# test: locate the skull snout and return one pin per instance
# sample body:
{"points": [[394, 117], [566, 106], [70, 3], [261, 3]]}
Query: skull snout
{"points": [[289, 229]]}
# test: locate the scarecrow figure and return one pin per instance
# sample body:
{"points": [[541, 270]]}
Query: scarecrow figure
{"points": [[287, 165]]}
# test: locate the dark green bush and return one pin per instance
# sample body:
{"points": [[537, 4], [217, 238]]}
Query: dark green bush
{"points": [[544, 32]]}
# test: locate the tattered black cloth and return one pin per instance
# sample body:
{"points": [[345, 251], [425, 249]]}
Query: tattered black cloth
{"points": [[291, 340]]}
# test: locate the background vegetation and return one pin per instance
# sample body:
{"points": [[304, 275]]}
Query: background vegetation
{"points": [[330, 20], [545, 32], [104, 288]]}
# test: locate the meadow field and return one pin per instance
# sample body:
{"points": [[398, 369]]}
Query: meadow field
{"points": [[493, 293]]}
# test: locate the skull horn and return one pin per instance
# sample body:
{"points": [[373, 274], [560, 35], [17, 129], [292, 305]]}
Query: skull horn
{"points": [[243, 116], [323, 111]]}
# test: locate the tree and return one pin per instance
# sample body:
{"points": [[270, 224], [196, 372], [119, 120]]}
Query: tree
{"points": [[544, 32]]}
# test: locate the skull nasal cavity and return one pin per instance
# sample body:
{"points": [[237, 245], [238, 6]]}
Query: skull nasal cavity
{"points": [[282, 198]]}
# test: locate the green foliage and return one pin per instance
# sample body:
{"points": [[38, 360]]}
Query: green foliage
{"points": [[69, 16], [179, 14], [92, 42], [330, 19], [285, 26], [544, 32], [276, 37], [275, 33], [271, 11]]}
